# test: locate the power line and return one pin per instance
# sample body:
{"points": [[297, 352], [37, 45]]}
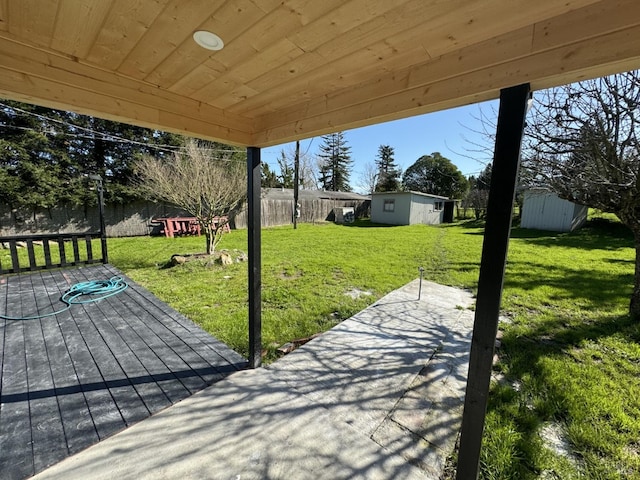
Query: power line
{"points": [[98, 135], [309, 146]]}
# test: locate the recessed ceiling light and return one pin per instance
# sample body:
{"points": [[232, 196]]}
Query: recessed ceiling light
{"points": [[208, 40]]}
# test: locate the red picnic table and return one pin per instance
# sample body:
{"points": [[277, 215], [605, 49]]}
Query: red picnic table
{"points": [[176, 226]]}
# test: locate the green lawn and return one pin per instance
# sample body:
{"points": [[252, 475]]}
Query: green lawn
{"points": [[570, 357]]}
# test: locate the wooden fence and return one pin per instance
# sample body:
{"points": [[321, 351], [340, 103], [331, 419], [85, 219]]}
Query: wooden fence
{"points": [[135, 218]]}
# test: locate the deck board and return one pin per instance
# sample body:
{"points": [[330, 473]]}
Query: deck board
{"points": [[82, 375]]}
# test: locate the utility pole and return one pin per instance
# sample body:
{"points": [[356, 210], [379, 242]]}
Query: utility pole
{"points": [[103, 228], [296, 184]]}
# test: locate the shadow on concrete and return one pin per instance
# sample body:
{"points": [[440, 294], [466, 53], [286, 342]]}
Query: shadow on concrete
{"points": [[380, 396]]}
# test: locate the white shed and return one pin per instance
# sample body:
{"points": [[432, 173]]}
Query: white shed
{"points": [[544, 210], [407, 208]]}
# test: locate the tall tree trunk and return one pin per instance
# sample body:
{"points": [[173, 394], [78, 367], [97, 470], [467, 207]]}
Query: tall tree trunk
{"points": [[210, 237]]}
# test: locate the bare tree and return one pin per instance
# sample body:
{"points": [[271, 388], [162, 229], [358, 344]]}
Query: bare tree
{"points": [[208, 181], [583, 144], [308, 174], [368, 178], [477, 200]]}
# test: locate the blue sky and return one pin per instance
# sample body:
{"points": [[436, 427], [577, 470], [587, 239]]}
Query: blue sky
{"points": [[447, 132]]}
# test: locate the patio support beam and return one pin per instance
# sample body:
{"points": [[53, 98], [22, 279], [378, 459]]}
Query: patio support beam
{"points": [[506, 161], [254, 246]]}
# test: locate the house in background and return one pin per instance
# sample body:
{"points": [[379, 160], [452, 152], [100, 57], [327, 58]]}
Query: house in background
{"points": [[544, 210], [410, 208]]}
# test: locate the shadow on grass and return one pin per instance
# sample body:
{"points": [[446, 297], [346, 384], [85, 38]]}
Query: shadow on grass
{"points": [[597, 233], [607, 289], [470, 223], [534, 349], [366, 223], [541, 398]]}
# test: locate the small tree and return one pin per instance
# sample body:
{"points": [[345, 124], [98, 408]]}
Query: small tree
{"points": [[368, 178], [477, 200], [285, 179], [207, 181], [478, 195]]}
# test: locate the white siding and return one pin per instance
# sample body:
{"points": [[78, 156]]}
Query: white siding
{"points": [[410, 208], [543, 210], [400, 213], [423, 210]]}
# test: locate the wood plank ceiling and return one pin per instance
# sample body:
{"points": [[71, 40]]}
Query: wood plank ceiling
{"points": [[298, 68]]}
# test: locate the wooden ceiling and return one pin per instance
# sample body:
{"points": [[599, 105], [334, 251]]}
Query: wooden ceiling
{"points": [[298, 68]]}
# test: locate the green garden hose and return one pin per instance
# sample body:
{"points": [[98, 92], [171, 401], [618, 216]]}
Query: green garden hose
{"points": [[81, 293]]}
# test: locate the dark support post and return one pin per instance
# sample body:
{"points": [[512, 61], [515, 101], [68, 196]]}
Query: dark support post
{"points": [[513, 108], [296, 184], [254, 230]]}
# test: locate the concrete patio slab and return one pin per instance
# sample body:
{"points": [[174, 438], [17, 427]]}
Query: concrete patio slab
{"points": [[380, 396]]}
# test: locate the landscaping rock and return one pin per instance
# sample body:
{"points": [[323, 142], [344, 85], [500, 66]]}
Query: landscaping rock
{"points": [[240, 256], [178, 260], [222, 257], [225, 259], [356, 293], [293, 344]]}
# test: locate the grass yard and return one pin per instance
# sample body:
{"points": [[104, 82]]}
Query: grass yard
{"points": [[307, 274], [569, 365]]}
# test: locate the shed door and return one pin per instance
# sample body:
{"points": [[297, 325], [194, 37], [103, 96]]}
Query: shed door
{"points": [[448, 212]]}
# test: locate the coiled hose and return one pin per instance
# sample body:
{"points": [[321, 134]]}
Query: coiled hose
{"points": [[81, 293]]}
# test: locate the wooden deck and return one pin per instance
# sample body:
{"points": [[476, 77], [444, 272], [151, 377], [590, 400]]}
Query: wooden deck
{"points": [[70, 380]]}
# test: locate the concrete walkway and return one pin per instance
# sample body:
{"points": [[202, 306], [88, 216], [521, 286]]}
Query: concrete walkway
{"points": [[380, 396]]}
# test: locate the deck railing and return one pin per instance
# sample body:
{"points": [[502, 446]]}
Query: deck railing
{"points": [[80, 253]]}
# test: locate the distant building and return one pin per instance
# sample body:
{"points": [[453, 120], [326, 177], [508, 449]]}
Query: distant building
{"points": [[409, 208], [544, 210]]}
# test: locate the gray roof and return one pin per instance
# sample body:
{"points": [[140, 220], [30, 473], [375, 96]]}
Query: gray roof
{"points": [[287, 194], [411, 192]]}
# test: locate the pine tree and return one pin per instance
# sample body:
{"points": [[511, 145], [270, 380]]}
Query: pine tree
{"points": [[35, 171], [388, 173], [47, 153], [336, 163], [268, 177]]}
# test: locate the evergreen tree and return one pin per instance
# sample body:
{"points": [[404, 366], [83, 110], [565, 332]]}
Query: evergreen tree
{"points": [[388, 173], [335, 163], [483, 181], [110, 149], [45, 155], [36, 171], [268, 177]]}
